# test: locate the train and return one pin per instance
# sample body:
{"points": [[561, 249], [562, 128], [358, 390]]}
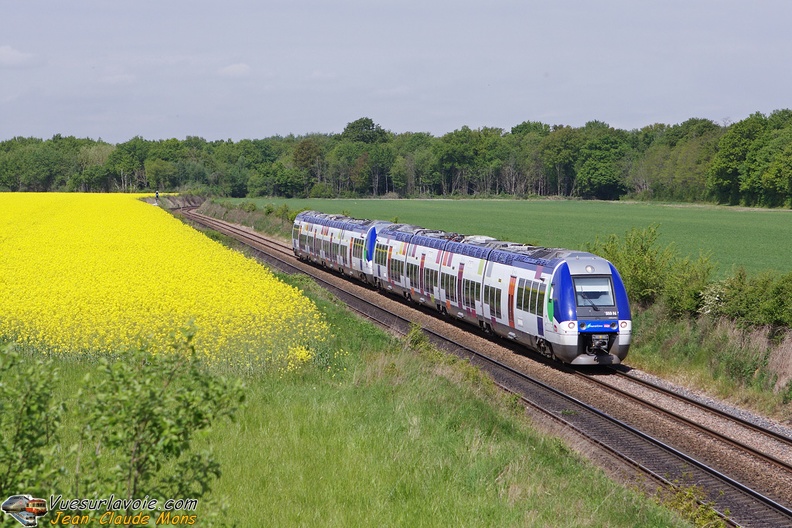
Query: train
{"points": [[25, 509], [568, 305]]}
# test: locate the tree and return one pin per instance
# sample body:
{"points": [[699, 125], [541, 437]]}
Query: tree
{"points": [[160, 174], [531, 127], [381, 158], [599, 174], [309, 156], [777, 179], [127, 164], [723, 177], [455, 156], [345, 168], [412, 166], [490, 156], [364, 130], [558, 152]]}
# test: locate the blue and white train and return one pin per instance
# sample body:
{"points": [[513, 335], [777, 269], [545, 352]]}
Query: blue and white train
{"points": [[568, 305]]}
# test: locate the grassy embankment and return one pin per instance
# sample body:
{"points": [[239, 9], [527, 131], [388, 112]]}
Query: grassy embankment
{"points": [[750, 367]]}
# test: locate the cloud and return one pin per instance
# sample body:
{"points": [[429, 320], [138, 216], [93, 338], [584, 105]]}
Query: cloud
{"points": [[12, 57], [235, 70]]}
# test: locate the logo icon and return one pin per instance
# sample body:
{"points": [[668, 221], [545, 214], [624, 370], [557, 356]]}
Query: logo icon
{"points": [[25, 509]]}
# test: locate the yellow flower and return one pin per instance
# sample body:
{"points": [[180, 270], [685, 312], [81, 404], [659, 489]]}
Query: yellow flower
{"points": [[94, 273]]}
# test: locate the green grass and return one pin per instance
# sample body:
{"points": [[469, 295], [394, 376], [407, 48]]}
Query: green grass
{"points": [[393, 435], [727, 361], [756, 239], [406, 438]]}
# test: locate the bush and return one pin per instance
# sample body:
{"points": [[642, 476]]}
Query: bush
{"points": [[321, 190], [30, 420], [686, 281], [143, 412], [136, 424], [653, 274], [642, 265], [763, 300], [249, 207]]}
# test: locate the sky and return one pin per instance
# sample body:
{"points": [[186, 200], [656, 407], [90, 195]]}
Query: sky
{"points": [[250, 69]]}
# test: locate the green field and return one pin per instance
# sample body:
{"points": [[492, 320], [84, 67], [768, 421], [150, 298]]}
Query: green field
{"points": [[756, 239]]}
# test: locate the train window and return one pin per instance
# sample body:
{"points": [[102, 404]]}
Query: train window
{"points": [[448, 283], [295, 232], [521, 295], [357, 248], [396, 269], [412, 273], [531, 295], [471, 292], [430, 279], [593, 291], [492, 296], [381, 254]]}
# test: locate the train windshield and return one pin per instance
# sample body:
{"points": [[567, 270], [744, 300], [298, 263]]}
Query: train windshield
{"points": [[594, 291]]}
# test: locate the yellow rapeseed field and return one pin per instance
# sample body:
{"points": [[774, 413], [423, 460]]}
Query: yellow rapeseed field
{"points": [[95, 273]]}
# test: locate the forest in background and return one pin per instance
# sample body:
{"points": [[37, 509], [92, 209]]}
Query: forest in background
{"points": [[748, 163]]}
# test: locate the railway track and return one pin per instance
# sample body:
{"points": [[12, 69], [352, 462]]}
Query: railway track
{"points": [[747, 498]]}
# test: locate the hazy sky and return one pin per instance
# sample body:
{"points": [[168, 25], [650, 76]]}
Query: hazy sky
{"points": [[114, 69]]}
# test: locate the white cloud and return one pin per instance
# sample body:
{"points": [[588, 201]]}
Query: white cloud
{"points": [[235, 70], [13, 57]]}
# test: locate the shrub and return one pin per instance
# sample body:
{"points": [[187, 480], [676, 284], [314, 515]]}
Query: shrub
{"points": [[762, 300], [642, 265], [143, 412], [651, 273], [321, 190], [30, 419], [249, 207], [686, 280]]}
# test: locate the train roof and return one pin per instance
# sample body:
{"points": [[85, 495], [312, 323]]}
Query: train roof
{"points": [[339, 221], [433, 238], [477, 246]]}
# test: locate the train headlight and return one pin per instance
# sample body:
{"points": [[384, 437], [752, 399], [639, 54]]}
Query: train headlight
{"points": [[613, 325], [624, 324], [582, 326], [571, 325]]}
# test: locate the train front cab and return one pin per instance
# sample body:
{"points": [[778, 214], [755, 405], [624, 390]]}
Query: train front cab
{"points": [[589, 313]]}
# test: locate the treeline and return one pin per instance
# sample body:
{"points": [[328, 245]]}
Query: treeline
{"points": [[748, 162]]}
